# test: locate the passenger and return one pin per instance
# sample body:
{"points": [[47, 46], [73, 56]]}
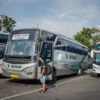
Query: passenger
{"points": [[43, 75]]}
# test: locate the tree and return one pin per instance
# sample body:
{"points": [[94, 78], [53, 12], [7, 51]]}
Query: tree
{"points": [[8, 24], [86, 35], [95, 39], [82, 39]]}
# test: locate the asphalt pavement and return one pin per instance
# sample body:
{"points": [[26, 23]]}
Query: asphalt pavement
{"points": [[84, 87]]}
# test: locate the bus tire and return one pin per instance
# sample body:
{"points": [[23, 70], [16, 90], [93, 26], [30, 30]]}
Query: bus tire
{"points": [[93, 74], [79, 71], [54, 77], [0, 75]]}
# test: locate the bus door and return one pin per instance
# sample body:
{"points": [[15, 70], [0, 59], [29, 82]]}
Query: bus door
{"points": [[46, 52]]}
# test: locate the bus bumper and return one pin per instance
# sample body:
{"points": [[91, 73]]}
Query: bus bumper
{"points": [[96, 70], [19, 75]]}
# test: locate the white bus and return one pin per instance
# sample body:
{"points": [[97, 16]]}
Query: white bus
{"points": [[65, 55], [2, 49], [3, 37], [95, 55], [3, 40]]}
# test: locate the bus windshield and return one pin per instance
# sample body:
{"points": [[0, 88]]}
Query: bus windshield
{"points": [[97, 47], [22, 43], [97, 57]]}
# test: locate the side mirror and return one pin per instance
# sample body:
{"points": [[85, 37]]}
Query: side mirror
{"points": [[92, 54]]}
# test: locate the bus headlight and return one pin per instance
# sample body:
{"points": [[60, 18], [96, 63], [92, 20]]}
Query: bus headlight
{"points": [[28, 70]]}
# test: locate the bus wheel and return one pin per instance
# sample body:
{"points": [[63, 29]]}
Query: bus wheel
{"points": [[54, 77], [79, 71]]}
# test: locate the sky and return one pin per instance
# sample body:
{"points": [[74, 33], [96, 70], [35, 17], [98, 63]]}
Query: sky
{"points": [[65, 17]]}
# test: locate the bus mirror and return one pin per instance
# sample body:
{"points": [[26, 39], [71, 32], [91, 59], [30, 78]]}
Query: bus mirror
{"points": [[92, 54], [35, 58]]}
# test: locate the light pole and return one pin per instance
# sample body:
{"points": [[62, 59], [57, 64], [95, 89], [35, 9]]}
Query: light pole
{"points": [[2, 16]]}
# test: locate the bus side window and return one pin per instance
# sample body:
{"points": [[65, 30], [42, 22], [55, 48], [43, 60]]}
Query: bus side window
{"points": [[58, 43], [64, 48], [68, 48], [1, 38], [47, 36]]}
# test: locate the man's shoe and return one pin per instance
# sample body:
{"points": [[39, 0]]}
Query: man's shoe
{"points": [[41, 91]]}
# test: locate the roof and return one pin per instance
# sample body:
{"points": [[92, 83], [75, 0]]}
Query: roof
{"points": [[96, 51], [98, 43], [70, 39]]}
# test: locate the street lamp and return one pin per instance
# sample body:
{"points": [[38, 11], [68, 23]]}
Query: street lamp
{"points": [[2, 17]]}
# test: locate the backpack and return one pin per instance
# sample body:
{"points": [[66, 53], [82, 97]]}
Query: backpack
{"points": [[48, 69]]}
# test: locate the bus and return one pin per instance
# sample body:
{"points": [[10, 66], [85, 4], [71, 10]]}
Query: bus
{"points": [[64, 55], [3, 41], [95, 55], [2, 49], [3, 37]]}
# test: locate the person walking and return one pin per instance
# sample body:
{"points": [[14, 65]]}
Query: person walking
{"points": [[43, 75]]}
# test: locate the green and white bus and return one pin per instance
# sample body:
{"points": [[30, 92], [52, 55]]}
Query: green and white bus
{"points": [[65, 56]]}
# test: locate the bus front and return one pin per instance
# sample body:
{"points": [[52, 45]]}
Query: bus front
{"points": [[20, 55], [96, 63]]}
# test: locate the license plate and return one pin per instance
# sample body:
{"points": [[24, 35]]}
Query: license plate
{"points": [[14, 75]]}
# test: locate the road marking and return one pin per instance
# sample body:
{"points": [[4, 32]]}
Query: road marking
{"points": [[41, 88]]}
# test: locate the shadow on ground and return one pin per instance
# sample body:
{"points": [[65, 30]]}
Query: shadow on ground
{"points": [[35, 82]]}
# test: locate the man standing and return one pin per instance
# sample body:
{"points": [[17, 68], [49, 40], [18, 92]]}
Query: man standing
{"points": [[43, 75]]}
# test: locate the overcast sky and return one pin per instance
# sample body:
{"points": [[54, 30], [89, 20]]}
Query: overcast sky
{"points": [[66, 17]]}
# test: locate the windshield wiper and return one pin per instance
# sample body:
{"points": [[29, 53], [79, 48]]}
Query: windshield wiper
{"points": [[23, 57], [17, 56]]}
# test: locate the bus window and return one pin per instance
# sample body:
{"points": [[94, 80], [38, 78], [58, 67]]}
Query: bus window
{"points": [[3, 38], [47, 36]]}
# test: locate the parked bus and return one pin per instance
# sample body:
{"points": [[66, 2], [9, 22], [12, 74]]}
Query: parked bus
{"points": [[3, 37], [65, 56], [95, 55], [2, 49], [3, 41]]}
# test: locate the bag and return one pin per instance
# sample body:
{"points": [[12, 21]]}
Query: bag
{"points": [[48, 69]]}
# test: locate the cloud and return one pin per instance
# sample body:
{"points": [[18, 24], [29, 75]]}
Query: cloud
{"points": [[62, 15], [19, 1], [23, 24], [66, 17], [63, 27]]}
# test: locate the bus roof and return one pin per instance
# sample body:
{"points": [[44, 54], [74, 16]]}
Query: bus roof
{"points": [[72, 40], [98, 43], [96, 51], [65, 37]]}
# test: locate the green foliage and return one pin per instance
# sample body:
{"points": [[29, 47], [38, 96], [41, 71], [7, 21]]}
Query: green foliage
{"points": [[95, 40], [8, 24], [82, 39], [88, 31], [86, 35]]}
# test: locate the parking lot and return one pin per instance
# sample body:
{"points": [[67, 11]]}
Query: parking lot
{"points": [[72, 87]]}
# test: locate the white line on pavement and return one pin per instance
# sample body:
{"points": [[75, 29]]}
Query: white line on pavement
{"points": [[40, 89]]}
